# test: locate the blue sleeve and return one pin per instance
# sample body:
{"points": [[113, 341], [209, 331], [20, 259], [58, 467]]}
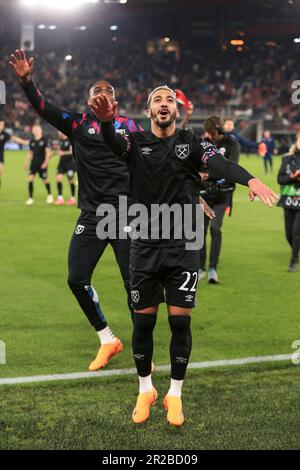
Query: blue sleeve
{"points": [[245, 142]]}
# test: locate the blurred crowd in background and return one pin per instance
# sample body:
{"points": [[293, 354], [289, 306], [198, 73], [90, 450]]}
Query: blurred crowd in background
{"points": [[252, 84]]}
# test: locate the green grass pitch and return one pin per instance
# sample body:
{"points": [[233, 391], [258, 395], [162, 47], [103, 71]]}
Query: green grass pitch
{"points": [[254, 311]]}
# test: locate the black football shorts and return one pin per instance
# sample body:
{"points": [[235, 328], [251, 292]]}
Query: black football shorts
{"points": [[34, 169], [66, 166], [163, 274]]}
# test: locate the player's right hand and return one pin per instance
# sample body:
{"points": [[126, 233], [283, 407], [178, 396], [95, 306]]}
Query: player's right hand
{"points": [[25, 167], [103, 109], [20, 65]]}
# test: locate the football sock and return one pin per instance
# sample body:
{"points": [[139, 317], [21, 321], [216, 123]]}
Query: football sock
{"points": [[59, 188], [181, 344], [142, 342], [175, 388], [89, 302], [48, 188], [30, 189], [106, 336], [145, 384], [72, 186]]}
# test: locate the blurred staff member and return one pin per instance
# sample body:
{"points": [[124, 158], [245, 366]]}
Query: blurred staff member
{"points": [[4, 138], [268, 156], [289, 179], [217, 192], [257, 147]]}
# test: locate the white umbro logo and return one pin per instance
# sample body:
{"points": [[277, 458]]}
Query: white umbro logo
{"points": [[222, 150], [91, 131], [146, 151], [79, 229], [189, 298]]}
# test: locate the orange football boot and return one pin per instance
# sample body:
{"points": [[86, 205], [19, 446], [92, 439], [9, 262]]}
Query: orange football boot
{"points": [[106, 352]]}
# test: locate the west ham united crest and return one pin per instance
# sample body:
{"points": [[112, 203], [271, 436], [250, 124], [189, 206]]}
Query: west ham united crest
{"points": [[135, 295], [182, 151]]}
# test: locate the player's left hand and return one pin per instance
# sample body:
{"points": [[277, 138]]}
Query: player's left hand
{"points": [[44, 165], [259, 189], [207, 209], [103, 108]]}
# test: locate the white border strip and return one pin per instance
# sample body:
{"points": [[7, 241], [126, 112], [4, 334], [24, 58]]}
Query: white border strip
{"points": [[116, 372]]}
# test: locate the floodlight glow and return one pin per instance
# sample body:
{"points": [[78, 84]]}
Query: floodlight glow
{"points": [[297, 40], [52, 27], [56, 4], [113, 27], [123, 1], [82, 28], [41, 26], [68, 57]]}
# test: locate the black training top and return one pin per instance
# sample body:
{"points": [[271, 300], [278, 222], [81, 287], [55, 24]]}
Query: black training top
{"points": [[4, 137], [38, 148], [165, 170], [102, 178]]}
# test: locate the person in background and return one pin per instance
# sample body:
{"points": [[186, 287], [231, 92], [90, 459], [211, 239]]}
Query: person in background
{"points": [[289, 179], [66, 166], [217, 193], [268, 157], [256, 147]]}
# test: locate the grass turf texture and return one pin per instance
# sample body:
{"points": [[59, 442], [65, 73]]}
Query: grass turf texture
{"points": [[254, 311]]}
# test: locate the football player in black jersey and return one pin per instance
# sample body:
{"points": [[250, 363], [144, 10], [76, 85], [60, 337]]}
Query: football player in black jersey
{"points": [[66, 166], [164, 166], [101, 180], [4, 138], [37, 162]]}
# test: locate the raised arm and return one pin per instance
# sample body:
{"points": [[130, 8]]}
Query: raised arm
{"points": [[106, 112], [23, 70], [237, 174]]}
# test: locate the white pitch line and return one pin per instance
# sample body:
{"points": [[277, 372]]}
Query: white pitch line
{"points": [[116, 372]]}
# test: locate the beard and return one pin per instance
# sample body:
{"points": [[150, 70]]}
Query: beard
{"points": [[163, 124]]}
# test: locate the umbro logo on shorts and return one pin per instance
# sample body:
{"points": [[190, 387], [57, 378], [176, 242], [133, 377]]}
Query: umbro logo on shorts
{"points": [[79, 229], [91, 131], [189, 298], [135, 295], [182, 151]]}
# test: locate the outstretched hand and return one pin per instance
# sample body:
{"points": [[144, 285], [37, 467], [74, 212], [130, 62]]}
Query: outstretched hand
{"points": [[207, 209], [20, 65], [103, 109], [259, 189]]}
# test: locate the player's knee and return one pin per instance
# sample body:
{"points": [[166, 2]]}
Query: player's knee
{"points": [[144, 324], [180, 325], [75, 285]]}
